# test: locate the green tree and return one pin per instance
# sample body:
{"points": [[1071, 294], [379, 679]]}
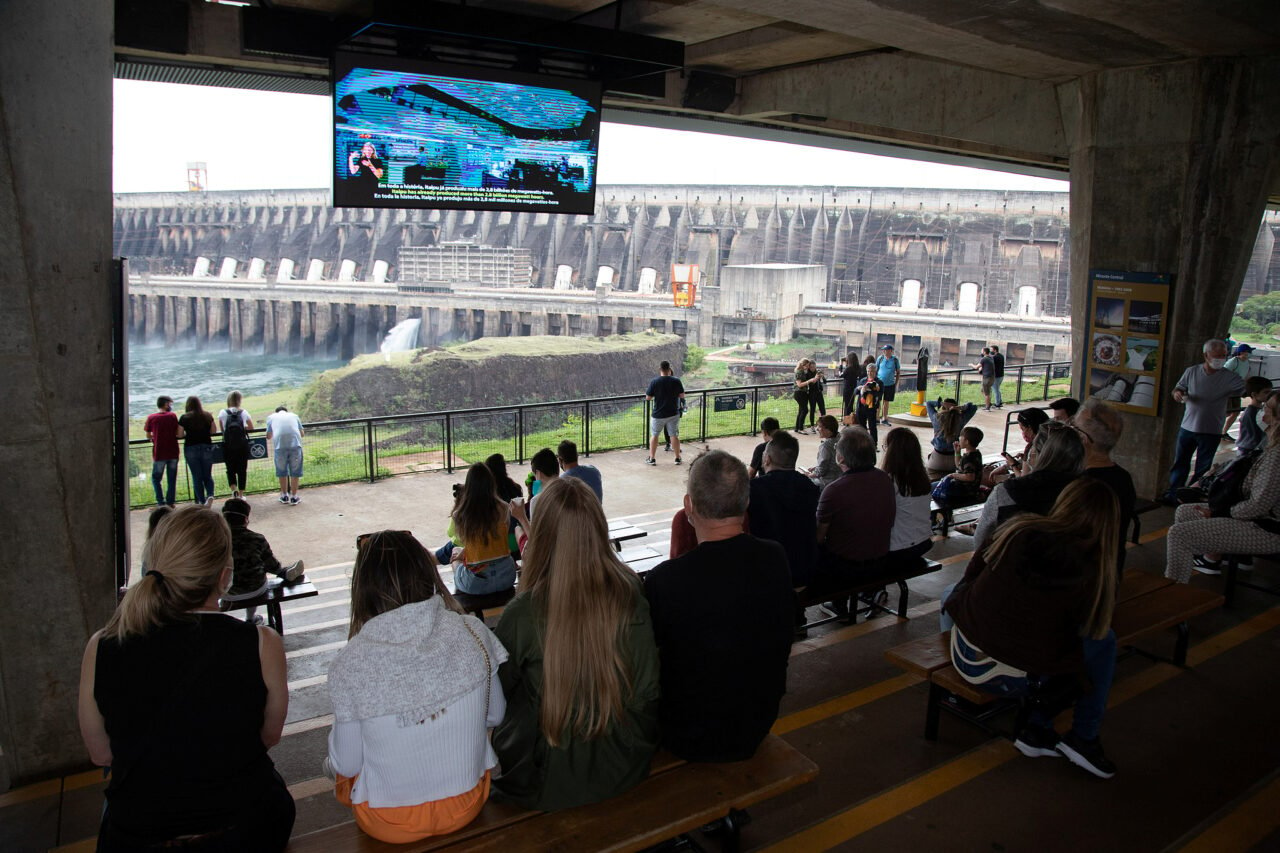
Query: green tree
{"points": [[694, 356]]}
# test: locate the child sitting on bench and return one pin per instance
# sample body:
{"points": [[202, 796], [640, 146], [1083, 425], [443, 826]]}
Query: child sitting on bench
{"points": [[253, 559]]}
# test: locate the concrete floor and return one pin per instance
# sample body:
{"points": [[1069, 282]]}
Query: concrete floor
{"points": [[1199, 760]]}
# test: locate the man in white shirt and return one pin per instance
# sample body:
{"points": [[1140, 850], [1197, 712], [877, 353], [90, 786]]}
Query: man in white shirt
{"points": [[285, 431], [1204, 389]]}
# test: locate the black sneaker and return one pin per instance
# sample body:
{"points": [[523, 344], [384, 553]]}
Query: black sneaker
{"points": [[1035, 742], [649, 460], [678, 462], [1206, 567], [667, 448], [1087, 754]]}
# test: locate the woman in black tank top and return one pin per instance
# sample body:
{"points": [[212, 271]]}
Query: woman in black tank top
{"points": [[182, 702]]}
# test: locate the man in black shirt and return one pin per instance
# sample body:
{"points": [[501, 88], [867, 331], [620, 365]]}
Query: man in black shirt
{"points": [[666, 392], [784, 507], [997, 362], [1101, 426], [768, 427], [722, 617]]}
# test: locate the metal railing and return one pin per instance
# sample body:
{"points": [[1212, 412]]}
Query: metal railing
{"points": [[376, 447]]}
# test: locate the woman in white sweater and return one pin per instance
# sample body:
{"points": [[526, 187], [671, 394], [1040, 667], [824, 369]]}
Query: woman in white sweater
{"points": [[414, 693]]}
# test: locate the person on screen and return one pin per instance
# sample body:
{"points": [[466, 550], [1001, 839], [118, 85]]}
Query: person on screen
{"points": [[365, 166]]}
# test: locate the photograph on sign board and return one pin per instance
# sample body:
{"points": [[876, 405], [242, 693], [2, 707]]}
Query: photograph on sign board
{"points": [[1108, 313], [1145, 317], [1142, 353], [1107, 349]]}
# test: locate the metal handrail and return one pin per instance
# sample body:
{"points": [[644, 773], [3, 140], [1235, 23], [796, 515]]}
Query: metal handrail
{"points": [[694, 397]]}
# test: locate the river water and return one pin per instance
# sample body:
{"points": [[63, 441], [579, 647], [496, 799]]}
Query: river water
{"points": [[210, 374]]}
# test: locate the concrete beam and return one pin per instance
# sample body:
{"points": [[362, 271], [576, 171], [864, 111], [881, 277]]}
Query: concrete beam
{"points": [[916, 101]]}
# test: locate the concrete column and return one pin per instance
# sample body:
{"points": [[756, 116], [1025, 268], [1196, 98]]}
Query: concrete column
{"points": [[155, 319], [202, 320], [235, 333], [184, 317], [170, 319], [346, 322], [284, 327], [323, 325], [55, 320], [267, 313], [1169, 173], [217, 318], [307, 328]]}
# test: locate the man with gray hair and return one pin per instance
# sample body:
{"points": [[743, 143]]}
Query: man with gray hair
{"points": [[722, 617], [1204, 389], [1101, 427], [854, 518]]}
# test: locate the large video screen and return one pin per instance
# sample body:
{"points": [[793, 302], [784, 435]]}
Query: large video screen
{"points": [[413, 134]]}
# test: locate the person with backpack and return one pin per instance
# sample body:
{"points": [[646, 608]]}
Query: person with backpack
{"points": [[1246, 521], [235, 423]]}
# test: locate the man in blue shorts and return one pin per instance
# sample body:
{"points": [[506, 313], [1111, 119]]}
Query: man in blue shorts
{"points": [[887, 369], [666, 392], [285, 431]]}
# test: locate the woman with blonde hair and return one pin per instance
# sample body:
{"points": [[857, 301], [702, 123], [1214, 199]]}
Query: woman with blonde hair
{"points": [[412, 656], [1036, 605], [235, 424], [582, 680], [806, 377], [182, 702]]}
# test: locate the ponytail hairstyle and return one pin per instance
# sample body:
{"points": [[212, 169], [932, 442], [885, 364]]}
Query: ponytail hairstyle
{"points": [[185, 560], [234, 399], [392, 569], [586, 596], [1088, 513], [950, 422]]}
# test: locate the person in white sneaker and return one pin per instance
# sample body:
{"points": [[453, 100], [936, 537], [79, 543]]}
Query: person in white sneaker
{"points": [[285, 431]]}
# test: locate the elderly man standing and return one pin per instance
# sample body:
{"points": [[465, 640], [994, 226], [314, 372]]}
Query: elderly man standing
{"points": [[1204, 389], [722, 617]]}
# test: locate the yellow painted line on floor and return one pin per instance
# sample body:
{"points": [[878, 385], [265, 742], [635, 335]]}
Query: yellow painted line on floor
{"points": [[843, 704], [26, 793], [849, 632], [311, 787], [83, 780], [1148, 538], [1246, 825], [913, 793]]}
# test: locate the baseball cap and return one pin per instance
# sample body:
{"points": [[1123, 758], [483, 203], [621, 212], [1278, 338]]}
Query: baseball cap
{"points": [[887, 346], [1243, 348]]}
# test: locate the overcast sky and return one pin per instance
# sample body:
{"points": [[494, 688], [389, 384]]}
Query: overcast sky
{"points": [[271, 140]]}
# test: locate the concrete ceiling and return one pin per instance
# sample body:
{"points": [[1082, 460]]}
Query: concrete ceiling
{"points": [[991, 80]]}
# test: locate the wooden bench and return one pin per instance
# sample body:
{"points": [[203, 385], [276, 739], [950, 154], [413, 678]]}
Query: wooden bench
{"points": [[951, 515], [1140, 508], [623, 531], [1231, 577], [1146, 604], [272, 599], [677, 798], [869, 583]]}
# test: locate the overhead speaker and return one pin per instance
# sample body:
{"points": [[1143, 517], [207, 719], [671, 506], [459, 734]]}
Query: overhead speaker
{"points": [[710, 92]]}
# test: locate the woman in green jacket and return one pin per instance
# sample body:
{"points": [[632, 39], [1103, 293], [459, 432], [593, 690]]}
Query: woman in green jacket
{"points": [[582, 679]]}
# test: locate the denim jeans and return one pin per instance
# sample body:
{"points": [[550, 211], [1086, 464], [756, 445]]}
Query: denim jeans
{"points": [[1203, 444], [200, 462], [1099, 669], [995, 390], [160, 467], [494, 576]]}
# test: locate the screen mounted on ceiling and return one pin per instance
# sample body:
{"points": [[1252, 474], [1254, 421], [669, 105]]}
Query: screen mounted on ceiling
{"points": [[413, 134]]}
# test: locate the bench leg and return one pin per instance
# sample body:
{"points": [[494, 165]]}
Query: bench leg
{"points": [[902, 599], [1180, 648], [274, 618], [937, 696]]}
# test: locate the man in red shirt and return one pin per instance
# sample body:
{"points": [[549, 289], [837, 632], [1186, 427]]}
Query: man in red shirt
{"points": [[163, 430]]}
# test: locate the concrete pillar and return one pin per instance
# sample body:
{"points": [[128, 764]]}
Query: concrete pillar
{"points": [[1170, 169], [184, 317], [202, 320], [171, 319], [155, 315], [346, 315], [323, 326], [307, 328], [217, 318], [55, 319], [284, 327], [267, 313], [235, 327]]}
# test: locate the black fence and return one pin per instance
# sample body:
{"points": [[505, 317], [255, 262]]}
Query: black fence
{"points": [[373, 448]]}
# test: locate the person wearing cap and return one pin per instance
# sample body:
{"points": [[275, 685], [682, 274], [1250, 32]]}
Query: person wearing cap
{"points": [[252, 559], [887, 370], [1239, 365], [162, 428]]}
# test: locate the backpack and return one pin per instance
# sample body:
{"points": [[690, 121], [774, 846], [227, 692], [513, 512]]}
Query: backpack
{"points": [[1227, 488], [234, 436]]}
